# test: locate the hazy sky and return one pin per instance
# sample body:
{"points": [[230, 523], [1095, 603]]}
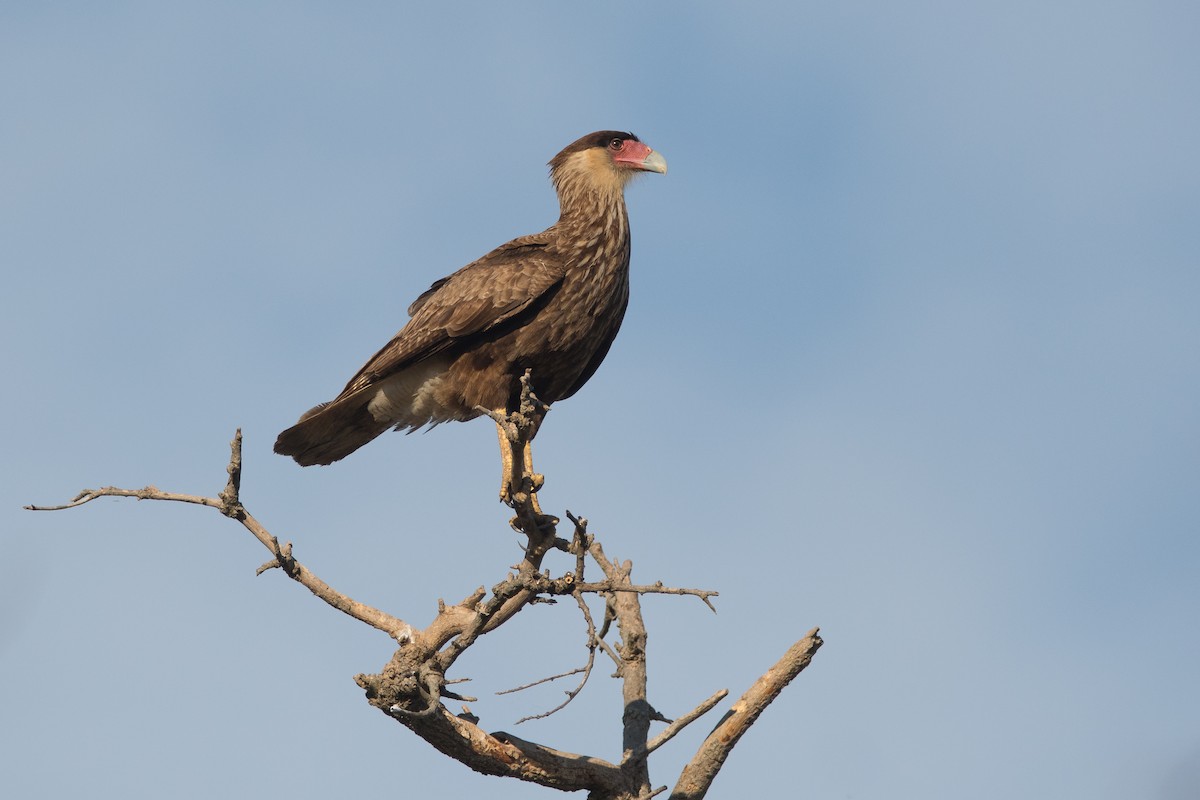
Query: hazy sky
{"points": [[911, 356]]}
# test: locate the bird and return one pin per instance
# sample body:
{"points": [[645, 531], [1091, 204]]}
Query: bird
{"points": [[548, 303]]}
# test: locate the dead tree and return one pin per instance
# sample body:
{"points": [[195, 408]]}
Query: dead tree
{"points": [[412, 687]]}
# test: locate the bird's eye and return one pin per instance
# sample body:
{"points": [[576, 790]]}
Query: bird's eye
{"points": [[615, 144]]}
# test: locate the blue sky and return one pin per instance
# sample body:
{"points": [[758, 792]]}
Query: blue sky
{"points": [[911, 355]]}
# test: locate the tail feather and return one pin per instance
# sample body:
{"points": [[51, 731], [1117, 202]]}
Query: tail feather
{"points": [[330, 432], [405, 399]]}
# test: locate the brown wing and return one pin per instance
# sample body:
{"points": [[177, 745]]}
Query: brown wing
{"points": [[482, 295]]}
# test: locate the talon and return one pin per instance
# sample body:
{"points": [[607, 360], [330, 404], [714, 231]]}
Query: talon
{"points": [[536, 482]]}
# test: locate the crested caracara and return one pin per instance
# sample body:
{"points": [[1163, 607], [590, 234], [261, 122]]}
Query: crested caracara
{"points": [[550, 303]]}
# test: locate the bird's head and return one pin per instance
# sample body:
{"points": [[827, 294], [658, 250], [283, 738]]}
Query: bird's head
{"points": [[604, 160]]}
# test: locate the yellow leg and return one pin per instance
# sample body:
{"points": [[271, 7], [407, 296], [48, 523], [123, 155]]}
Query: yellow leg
{"points": [[513, 478], [506, 465], [535, 479]]}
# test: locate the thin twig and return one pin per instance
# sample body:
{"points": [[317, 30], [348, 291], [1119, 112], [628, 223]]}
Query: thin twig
{"points": [[586, 670], [540, 681], [668, 733]]}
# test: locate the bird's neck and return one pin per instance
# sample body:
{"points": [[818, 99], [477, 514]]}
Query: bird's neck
{"points": [[591, 212]]}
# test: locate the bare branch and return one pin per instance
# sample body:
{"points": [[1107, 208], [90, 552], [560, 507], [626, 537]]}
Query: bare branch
{"points": [[652, 588], [229, 505], [698, 775], [542, 584], [148, 493]]}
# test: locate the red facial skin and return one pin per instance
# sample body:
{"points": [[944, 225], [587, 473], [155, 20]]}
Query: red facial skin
{"points": [[631, 154]]}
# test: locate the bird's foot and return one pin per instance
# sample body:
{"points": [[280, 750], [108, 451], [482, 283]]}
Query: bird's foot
{"points": [[525, 495]]}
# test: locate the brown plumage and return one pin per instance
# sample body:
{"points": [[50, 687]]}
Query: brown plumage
{"points": [[551, 303]]}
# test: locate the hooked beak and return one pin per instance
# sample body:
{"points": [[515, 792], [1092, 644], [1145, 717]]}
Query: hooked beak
{"points": [[638, 156], [654, 162]]}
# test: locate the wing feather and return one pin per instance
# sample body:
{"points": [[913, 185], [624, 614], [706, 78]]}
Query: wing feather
{"points": [[479, 297]]}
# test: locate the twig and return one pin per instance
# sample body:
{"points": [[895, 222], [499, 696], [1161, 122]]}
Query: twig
{"points": [[668, 733], [540, 681], [592, 642]]}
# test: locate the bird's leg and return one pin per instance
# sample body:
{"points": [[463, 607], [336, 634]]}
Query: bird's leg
{"points": [[536, 480], [519, 484], [526, 476], [508, 480], [516, 473], [522, 481], [532, 412]]}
